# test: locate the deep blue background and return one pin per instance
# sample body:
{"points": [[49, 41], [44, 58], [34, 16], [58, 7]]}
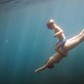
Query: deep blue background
{"points": [[25, 43]]}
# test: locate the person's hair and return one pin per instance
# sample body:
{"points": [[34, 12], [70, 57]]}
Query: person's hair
{"points": [[49, 23], [50, 66]]}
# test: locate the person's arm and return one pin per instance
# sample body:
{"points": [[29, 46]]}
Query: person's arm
{"points": [[61, 31], [41, 68]]}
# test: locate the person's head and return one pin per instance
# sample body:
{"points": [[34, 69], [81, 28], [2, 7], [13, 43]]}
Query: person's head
{"points": [[50, 23], [50, 66]]}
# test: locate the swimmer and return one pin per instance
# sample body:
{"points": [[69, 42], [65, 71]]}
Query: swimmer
{"points": [[68, 45], [58, 33]]}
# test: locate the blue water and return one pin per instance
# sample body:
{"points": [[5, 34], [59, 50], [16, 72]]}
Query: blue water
{"points": [[25, 43]]}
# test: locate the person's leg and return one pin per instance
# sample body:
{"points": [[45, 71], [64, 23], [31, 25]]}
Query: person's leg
{"points": [[77, 36], [71, 43]]}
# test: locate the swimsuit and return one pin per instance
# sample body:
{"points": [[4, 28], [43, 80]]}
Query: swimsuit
{"points": [[61, 42]]}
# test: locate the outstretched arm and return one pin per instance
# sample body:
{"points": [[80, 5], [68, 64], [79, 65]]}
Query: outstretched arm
{"points": [[41, 68], [51, 61]]}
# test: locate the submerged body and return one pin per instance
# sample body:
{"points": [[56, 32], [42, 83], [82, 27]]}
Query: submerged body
{"points": [[58, 32], [68, 45]]}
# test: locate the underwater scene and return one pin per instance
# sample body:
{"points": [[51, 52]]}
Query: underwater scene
{"points": [[26, 42]]}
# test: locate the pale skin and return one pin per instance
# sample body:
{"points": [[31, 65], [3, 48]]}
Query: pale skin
{"points": [[58, 32], [69, 44]]}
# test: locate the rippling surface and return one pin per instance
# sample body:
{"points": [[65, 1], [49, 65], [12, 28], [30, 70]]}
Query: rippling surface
{"points": [[13, 4]]}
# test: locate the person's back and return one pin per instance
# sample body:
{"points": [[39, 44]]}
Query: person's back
{"points": [[58, 33]]}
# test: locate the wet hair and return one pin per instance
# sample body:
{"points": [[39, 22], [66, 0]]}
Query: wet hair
{"points": [[50, 66], [49, 23]]}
